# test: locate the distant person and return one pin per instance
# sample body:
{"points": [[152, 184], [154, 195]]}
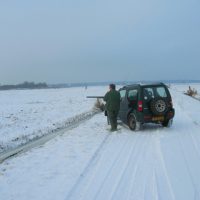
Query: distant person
{"points": [[112, 99]]}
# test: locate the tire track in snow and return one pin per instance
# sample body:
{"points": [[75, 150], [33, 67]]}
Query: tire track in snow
{"points": [[132, 166], [150, 190], [161, 163], [188, 166], [125, 175], [154, 188], [185, 141], [136, 192], [195, 140], [119, 174], [87, 168], [92, 179], [146, 186], [114, 178], [196, 143]]}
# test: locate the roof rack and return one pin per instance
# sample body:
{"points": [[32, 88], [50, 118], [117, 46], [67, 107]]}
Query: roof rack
{"points": [[143, 84]]}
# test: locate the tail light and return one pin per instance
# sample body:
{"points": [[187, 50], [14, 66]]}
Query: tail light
{"points": [[140, 106]]}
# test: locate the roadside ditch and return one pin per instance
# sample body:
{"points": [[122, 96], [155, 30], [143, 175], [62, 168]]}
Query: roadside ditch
{"points": [[38, 141]]}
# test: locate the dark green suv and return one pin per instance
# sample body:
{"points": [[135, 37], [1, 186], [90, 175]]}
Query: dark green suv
{"points": [[146, 103]]}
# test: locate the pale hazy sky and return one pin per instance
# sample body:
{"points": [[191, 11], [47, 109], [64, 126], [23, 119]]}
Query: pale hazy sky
{"points": [[99, 40]]}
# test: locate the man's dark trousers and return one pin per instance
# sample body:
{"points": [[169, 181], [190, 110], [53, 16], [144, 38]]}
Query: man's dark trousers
{"points": [[112, 115]]}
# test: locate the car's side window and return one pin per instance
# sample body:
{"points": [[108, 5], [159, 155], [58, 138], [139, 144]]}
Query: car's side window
{"points": [[132, 94], [161, 92], [122, 94]]}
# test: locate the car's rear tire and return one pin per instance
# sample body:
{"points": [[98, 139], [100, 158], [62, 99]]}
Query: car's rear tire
{"points": [[167, 123], [133, 124]]}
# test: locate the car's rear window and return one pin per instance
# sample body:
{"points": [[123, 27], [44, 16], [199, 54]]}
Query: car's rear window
{"points": [[161, 92], [154, 92]]}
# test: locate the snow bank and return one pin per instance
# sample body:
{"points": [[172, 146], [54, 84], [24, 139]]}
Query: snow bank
{"points": [[184, 87]]}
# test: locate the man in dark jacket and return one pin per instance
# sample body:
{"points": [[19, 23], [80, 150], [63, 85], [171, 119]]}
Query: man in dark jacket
{"points": [[112, 99]]}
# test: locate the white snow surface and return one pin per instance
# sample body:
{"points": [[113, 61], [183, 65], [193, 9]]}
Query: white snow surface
{"points": [[89, 162], [27, 114], [184, 87]]}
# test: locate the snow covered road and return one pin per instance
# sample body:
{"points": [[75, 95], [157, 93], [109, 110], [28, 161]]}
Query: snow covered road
{"points": [[90, 163], [151, 164]]}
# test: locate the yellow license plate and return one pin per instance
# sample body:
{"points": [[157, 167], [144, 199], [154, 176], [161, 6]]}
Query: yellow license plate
{"points": [[159, 118]]}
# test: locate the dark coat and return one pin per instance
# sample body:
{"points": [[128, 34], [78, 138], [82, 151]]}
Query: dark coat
{"points": [[112, 99]]}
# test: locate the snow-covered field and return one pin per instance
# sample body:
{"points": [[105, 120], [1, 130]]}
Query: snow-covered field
{"points": [[183, 88], [89, 162], [27, 114]]}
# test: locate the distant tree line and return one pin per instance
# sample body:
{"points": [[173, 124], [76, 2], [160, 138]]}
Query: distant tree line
{"points": [[25, 85]]}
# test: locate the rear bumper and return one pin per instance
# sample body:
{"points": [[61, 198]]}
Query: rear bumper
{"points": [[155, 119]]}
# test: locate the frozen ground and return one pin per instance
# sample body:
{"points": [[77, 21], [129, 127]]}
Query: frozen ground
{"points": [[27, 114], [89, 162]]}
